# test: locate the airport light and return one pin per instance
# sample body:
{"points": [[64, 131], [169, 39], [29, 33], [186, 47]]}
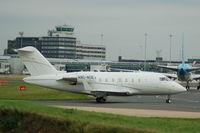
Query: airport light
{"points": [[21, 35], [170, 47], [145, 51], [101, 44]]}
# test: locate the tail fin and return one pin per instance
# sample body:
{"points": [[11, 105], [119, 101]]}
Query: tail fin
{"points": [[35, 62]]}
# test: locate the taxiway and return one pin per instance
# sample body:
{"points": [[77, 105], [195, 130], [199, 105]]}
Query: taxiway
{"points": [[188, 101]]}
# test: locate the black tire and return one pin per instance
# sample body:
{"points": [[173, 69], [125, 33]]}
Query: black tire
{"points": [[198, 87], [97, 100], [187, 87], [100, 100], [168, 101]]}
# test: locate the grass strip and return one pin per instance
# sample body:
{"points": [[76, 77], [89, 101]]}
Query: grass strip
{"points": [[12, 77], [24, 117], [33, 92], [103, 121]]}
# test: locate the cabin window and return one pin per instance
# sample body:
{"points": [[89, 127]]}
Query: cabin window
{"points": [[164, 79], [113, 80], [106, 80], [119, 80], [126, 80], [99, 79], [132, 80], [139, 80]]}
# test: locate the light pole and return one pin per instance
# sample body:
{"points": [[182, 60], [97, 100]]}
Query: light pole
{"points": [[21, 35], [183, 57], [170, 47], [102, 44], [101, 39], [141, 50], [145, 51]]}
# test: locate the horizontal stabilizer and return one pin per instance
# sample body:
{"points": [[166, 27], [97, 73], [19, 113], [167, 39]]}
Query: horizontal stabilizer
{"points": [[26, 49]]}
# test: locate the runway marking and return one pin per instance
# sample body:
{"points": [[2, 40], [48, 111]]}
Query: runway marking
{"points": [[138, 112]]}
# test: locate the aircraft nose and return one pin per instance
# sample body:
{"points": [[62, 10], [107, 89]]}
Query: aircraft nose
{"points": [[179, 88]]}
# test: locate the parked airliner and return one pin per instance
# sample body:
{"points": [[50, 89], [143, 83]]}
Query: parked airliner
{"points": [[183, 71], [98, 84]]}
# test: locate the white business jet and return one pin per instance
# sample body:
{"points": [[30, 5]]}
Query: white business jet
{"points": [[98, 84]]}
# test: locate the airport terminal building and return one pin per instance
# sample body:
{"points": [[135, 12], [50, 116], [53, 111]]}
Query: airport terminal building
{"points": [[59, 43], [65, 52]]}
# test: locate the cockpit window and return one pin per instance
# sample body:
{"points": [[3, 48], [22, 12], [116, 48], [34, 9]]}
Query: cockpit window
{"points": [[164, 79]]}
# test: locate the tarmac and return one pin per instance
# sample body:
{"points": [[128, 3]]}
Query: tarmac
{"points": [[184, 105]]}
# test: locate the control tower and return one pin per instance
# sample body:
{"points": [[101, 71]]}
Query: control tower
{"points": [[62, 31]]}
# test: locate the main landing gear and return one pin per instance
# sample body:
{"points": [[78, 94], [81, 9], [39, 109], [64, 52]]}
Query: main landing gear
{"points": [[168, 100], [198, 87], [101, 99], [187, 86]]}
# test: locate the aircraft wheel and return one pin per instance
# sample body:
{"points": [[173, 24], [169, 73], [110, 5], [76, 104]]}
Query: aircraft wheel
{"points": [[100, 100], [198, 87], [168, 101], [187, 87]]}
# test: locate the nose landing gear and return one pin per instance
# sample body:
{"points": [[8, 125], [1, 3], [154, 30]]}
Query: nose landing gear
{"points": [[187, 86], [198, 87], [168, 100]]}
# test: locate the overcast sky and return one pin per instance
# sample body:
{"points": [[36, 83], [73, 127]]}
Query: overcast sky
{"points": [[122, 22]]}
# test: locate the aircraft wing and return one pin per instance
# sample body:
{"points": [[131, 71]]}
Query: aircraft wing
{"points": [[100, 88], [173, 68], [108, 89], [170, 75], [193, 69], [196, 76]]}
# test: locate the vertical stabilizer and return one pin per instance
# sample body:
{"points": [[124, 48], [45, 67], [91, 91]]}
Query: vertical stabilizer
{"points": [[35, 62]]}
